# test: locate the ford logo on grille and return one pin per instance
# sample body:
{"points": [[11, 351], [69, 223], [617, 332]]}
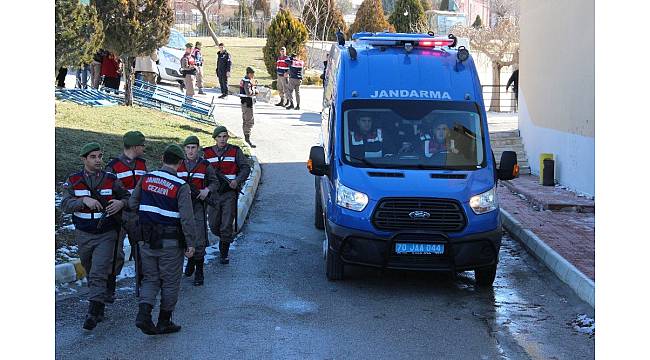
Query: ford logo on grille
{"points": [[419, 215]]}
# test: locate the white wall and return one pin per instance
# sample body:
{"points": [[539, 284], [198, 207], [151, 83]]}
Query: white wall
{"points": [[573, 153]]}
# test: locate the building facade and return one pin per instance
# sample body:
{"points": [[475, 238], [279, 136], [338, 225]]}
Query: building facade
{"points": [[556, 88]]}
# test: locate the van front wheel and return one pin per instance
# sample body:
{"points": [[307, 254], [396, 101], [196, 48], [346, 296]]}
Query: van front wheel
{"points": [[485, 276], [334, 270]]}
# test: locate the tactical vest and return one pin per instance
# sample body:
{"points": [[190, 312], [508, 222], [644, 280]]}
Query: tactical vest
{"points": [[197, 175], [295, 70], [87, 219], [225, 163], [128, 176], [431, 146], [159, 199], [281, 66], [243, 84], [370, 145]]}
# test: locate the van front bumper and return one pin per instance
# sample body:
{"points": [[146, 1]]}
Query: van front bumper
{"points": [[367, 249]]}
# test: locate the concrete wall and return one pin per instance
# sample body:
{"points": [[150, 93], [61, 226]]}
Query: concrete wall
{"points": [[556, 87]]}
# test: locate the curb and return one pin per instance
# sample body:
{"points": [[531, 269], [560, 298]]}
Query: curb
{"points": [[583, 286], [245, 202], [73, 271]]}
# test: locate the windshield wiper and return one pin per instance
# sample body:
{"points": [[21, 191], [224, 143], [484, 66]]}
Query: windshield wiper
{"points": [[362, 160]]}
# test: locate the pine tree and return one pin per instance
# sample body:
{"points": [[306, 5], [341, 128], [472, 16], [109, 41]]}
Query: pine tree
{"points": [[426, 5], [285, 30], [323, 18], [370, 17], [477, 22], [134, 28], [78, 33], [408, 17]]}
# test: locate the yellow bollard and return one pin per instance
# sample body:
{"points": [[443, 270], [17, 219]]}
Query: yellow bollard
{"points": [[542, 157]]}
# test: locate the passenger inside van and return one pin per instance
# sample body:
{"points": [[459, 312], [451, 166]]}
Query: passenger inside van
{"points": [[437, 140], [366, 139]]}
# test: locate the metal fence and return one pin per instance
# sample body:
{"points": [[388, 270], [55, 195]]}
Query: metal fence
{"points": [[192, 25], [503, 101]]}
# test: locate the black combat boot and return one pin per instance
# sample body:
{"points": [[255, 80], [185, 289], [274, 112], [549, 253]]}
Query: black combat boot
{"points": [[198, 276], [143, 319], [201, 91], [290, 106], [281, 103], [100, 315], [92, 318], [297, 107], [165, 324], [189, 269], [224, 247], [247, 138]]}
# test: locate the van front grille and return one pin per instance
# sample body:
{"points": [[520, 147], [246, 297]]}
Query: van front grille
{"points": [[445, 215]]}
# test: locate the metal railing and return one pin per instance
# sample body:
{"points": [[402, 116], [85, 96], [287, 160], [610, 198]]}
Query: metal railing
{"points": [[192, 25], [497, 99]]}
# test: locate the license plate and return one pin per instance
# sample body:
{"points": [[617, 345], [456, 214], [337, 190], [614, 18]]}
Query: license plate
{"points": [[419, 248]]}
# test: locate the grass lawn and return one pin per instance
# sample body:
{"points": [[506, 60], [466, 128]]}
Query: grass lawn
{"points": [[244, 52], [76, 125]]}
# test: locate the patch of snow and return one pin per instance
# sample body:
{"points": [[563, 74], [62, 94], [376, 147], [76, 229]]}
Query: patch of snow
{"points": [[584, 325], [128, 271]]}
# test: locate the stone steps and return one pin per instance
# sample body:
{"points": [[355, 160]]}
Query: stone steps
{"points": [[501, 141]]}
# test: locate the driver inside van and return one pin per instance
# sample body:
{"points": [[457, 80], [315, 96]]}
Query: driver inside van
{"points": [[439, 141], [366, 141]]}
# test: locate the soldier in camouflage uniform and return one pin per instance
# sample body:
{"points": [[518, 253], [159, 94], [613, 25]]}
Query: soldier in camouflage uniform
{"points": [[94, 198], [247, 92]]}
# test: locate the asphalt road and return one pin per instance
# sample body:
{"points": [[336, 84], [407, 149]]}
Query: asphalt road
{"points": [[273, 300]]}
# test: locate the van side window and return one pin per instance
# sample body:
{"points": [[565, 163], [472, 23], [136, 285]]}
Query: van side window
{"points": [[332, 124], [325, 129]]}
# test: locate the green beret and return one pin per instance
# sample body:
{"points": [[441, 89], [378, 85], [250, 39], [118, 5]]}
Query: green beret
{"points": [[133, 138], [250, 70], [189, 45], [88, 148], [218, 130], [175, 149], [191, 140]]}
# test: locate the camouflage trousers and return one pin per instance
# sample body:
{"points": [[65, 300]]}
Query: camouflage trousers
{"points": [[247, 118]]}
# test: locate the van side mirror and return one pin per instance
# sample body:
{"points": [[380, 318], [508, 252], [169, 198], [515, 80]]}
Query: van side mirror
{"points": [[508, 168], [316, 163]]}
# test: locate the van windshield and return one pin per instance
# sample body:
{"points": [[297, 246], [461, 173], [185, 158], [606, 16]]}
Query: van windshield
{"points": [[176, 40], [413, 134]]}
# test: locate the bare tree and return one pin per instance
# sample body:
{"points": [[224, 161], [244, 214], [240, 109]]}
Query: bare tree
{"points": [[504, 8], [203, 6], [500, 44]]}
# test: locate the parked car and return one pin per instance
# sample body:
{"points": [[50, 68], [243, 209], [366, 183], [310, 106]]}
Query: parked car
{"points": [[169, 57]]}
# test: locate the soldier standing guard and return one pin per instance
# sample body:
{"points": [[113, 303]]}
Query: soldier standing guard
{"points": [[129, 168], [94, 197], [232, 168], [203, 181], [247, 92], [295, 80], [166, 220], [281, 69], [198, 59], [188, 70]]}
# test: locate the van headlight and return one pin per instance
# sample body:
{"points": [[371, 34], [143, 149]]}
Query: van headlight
{"points": [[350, 199], [485, 202]]}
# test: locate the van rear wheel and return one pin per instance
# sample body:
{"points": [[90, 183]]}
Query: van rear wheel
{"points": [[485, 276], [319, 221]]}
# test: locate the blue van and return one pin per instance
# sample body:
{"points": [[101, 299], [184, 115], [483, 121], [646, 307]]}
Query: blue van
{"points": [[405, 176]]}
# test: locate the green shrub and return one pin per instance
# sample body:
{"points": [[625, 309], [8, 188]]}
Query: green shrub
{"points": [[287, 31]]}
